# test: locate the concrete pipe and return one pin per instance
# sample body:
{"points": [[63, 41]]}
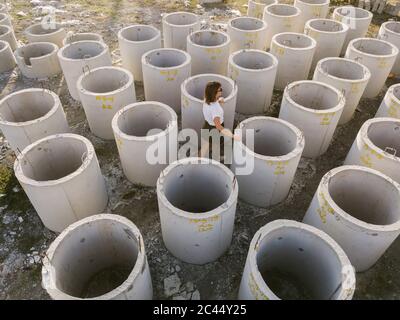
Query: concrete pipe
{"points": [[329, 35], [5, 19], [3, 8], [193, 98], [105, 258], [247, 33], [37, 33], [61, 177], [312, 9], [7, 59], [378, 56], [7, 34], [198, 197], [80, 57], [255, 8], [294, 52], [377, 146], [315, 108], [390, 106], [85, 36], [134, 41], [176, 28], [38, 60], [349, 207], [164, 70], [357, 19], [276, 153], [281, 18], [209, 51], [390, 31], [349, 77], [254, 72], [30, 115], [103, 92], [294, 261], [139, 129]]}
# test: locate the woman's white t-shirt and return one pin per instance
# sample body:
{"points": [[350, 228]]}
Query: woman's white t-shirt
{"points": [[212, 111]]}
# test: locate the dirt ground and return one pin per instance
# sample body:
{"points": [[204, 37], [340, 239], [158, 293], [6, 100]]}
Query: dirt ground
{"points": [[23, 238]]}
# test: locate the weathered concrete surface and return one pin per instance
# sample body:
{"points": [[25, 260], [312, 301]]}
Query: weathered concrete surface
{"points": [[22, 241]]}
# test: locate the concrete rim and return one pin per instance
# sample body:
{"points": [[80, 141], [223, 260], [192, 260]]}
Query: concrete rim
{"points": [[49, 272], [266, 10], [385, 24], [334, 109], [326, 2], [262, 3], [61, 56], [390, 92], [36, 44], [275, 42], [90, 155], [351, 46], [188, 59], [53, 110], [201, 161], [59, 29], [348, 219], [274, 60], [9, 30], [137, 105], [262, 28], [283, 223], [345, 27], [300, 140], [144, 26], [5, 46], [338, 9], [166, 16], [96, 36], [226, 43]]}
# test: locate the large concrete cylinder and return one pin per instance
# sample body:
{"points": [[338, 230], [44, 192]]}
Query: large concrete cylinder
{"points": [[255, 8], [247, 33], [30, 115], [103, 92], [378, 56], [209, 50], [315, 108], [80, 57], [37, 33], [134, 41], [294, 52], [7, 34], [390, 31], [3, 8], [349, 77], [193, 99], [197, 200], [7, 59], [357, 19], [348, 207], [176, 28], [281, 18], [164, 70], [377, 146], [329, 35], [390, 106], [105, 258], [254, 72], [147, 137], [38, 60], [291, 260], [276, 153], [312, 9], [61, 176], [5, 19], [82, 36]]}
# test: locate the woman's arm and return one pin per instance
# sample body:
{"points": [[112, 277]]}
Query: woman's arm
{"points": [[224, 131]]}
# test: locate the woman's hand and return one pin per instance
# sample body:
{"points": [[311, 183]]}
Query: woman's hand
{"points": [[221, 100]]}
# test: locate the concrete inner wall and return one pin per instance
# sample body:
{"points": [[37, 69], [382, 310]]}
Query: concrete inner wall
{"points": [[208, 38], [139, 33], [54, 159], [197, 188], [196, 86], [35, 50], [82, 37], [293, 40], [326, 25], [271, 138], [393, 26], [82, 50], [343, 69], [385, 135], [353, 12], [37, 29], [253, 60], [247, 23], [301, 260], [365, 196], [104, 80], [373, 46], [26, 106], [166, 58], [181, 19], [4, 30], [314, 1], [282, 10], [138, 121], [89, 249], [313, 96]]}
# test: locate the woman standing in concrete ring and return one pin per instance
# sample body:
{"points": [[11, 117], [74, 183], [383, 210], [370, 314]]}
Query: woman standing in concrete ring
{"points": [[214, 116]]}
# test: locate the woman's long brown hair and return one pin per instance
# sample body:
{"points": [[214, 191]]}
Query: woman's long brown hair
{"points": [[211, 91]]}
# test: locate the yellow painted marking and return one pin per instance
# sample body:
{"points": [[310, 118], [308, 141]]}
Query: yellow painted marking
{"points": [[214, 50], [204, 225], [255, 289], [280, 51], [280, 166], [324, 208], [382, 63], [185, 102], [119, 142], [316, 12], [326, 119], [394, 109], [104, 100], [368, 156], [170, 75], [234, 74], [354, 88]]}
